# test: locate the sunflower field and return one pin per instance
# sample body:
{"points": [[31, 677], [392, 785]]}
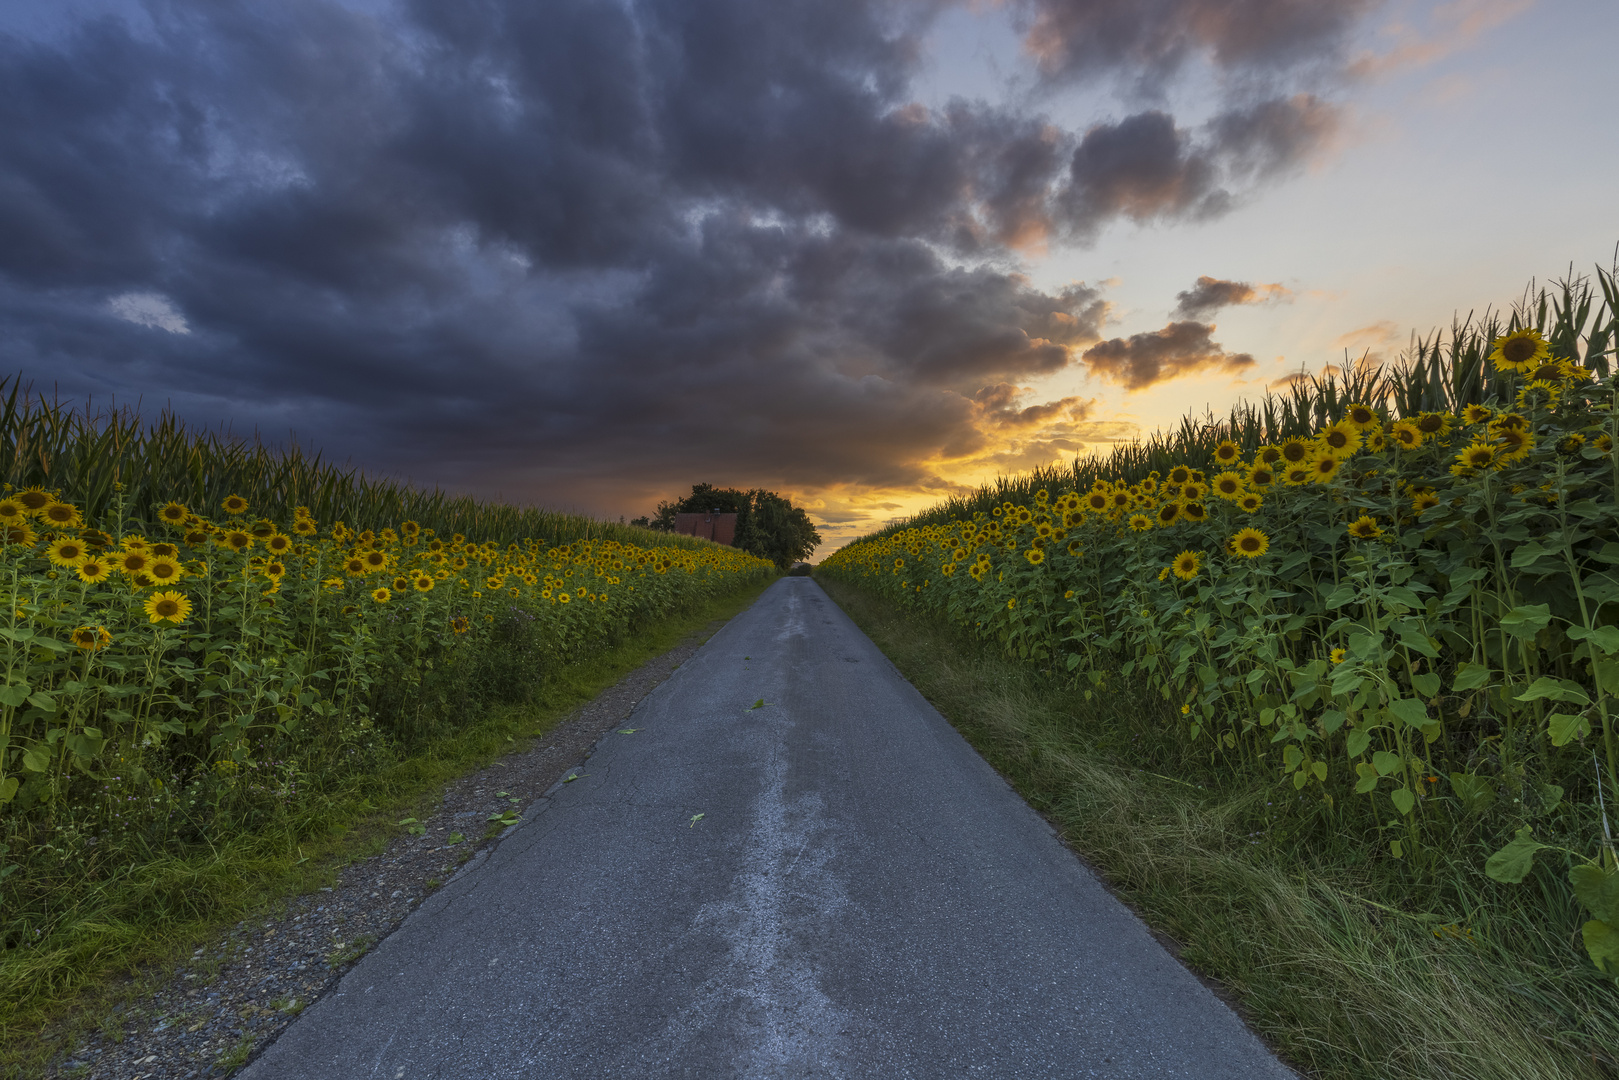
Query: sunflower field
{"points": [[1397, 591], [189, 658]]}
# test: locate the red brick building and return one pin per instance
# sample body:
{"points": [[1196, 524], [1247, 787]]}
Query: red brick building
{"points": [[720, 528]]}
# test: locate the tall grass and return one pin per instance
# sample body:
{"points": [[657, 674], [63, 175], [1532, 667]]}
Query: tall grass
{"points": [[63, 446]]}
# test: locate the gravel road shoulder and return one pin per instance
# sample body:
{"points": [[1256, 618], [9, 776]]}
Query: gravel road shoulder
{"points": [[221, 1008]]}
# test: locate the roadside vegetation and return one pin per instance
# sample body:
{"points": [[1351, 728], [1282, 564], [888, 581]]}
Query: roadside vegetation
{"points": [[217, 653], [1365, 636]]}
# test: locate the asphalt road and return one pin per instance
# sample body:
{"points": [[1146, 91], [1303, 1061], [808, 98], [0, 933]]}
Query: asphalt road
{"points": [[831, 885]]}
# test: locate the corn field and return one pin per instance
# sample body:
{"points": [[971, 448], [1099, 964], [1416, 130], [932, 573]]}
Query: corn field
{"points": [[200, 635], [1398, 586]]}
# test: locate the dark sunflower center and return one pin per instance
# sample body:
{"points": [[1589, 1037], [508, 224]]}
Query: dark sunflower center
{"points": [[167, 608], [1249, 543], [1518, 350], [1294, 451]]}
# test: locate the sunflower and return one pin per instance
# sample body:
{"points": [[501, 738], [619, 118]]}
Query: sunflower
{"points": [[1229, 486], [1423, 499], [61, 515], [275, 570], [278, 543], [1075, 548], [1477, 414], [1337, 656], [381, 594], [1193, 491], [1570, 444], [173, 513], [196, 538], [1406, 435], [1376, 440], [1097, 501], [460, 624], [1187, 564], [167, 607], [425, 583], [1515, 444], [354, 566], [164, 569], [1295, 451], [67, 552], [236, 539], [1011, 603], [34, 498], [1360, 416], [1551, 371], [1478, 455], [1539, 394], [1522, 350], [1365, 527], [1261, 475], [1249, 543], [165, 550], [18, 534], [562, 597], [1341, 439], [1195, 511], [1295, 475], [1433, 425], [1268, 455], [12, 511], [90, 638], [94, 571], [234, 505], [305, 527], [1227, 452], [1035, 555], [1250, 502], [1325, 467], [132, 561]]}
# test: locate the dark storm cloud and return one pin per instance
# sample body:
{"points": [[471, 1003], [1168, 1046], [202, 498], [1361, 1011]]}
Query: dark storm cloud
{"points": [[1210, 294], [1146, 168], [576, 249], [1181, 348]]}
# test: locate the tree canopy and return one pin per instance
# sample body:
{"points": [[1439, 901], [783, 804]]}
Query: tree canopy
{"points": [[767, 525]]}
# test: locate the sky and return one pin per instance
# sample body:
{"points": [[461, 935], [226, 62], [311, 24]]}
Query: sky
{"points": [[866, 253]]}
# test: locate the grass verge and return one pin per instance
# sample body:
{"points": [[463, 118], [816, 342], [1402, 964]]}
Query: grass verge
{"points": [[1332, 960], [167, 906]]}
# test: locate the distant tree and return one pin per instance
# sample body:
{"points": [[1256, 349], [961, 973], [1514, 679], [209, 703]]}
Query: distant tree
{"points": [[767, 525]]}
